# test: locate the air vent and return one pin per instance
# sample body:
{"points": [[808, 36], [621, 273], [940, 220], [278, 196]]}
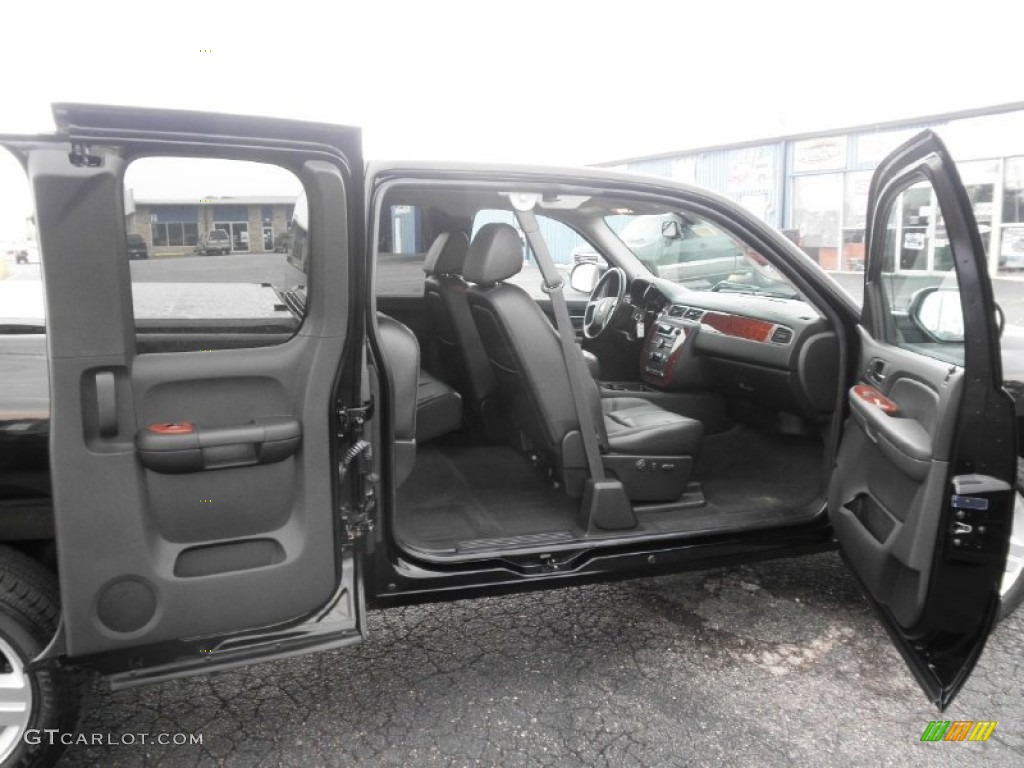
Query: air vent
{"points": [[675, 311], [782, 335], [693, 313]]}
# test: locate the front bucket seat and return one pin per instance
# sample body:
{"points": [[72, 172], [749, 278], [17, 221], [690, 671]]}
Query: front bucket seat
{"points": [[649, 449]]}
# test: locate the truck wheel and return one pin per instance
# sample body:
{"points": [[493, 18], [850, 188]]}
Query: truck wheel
{"points": [[30, 702]]}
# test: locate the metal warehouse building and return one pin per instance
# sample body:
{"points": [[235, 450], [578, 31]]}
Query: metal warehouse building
{"points": [[816, 185]]}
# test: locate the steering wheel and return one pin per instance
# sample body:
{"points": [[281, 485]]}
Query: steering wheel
{"points": [[605, 301]]}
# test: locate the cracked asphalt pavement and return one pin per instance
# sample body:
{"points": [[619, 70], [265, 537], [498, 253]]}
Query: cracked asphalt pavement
{"points": [[780, 663]]}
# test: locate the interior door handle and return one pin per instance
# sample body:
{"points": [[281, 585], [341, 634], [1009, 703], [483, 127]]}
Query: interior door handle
{"points": [[876, 370], [177, 447], [106, 403]]}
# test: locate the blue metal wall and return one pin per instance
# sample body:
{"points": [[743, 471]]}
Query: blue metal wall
{"points": [[404, 222], [560, 239], [752, 176]]}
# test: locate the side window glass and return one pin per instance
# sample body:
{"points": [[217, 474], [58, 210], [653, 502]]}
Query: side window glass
{"points": [[402, 246], [21, 286], [566, 246], [919, 282], [217, 253]]}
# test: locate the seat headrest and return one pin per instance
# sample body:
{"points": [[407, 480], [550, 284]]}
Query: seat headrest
{"points": [[447, 254], [495, 254]]}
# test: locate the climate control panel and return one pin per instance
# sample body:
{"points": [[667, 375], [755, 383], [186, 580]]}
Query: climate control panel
{"points": [[661, 350]]}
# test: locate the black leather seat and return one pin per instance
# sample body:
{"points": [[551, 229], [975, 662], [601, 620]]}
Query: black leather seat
{"points": [[438, 408], [424, 407], [459, 353], [635, 425], [526, 357]]}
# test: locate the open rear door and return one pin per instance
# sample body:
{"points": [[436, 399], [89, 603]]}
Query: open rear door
{"points": [[921, 496], [194, 470]]}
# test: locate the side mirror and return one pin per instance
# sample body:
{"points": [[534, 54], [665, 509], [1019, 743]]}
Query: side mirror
{"points": [[670, 230], [937, 314], [584, 277]]}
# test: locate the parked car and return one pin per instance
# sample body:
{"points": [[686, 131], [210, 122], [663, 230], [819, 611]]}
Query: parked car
{"points": [[671, 246], [213, 243], [1011, 257], [222, 498], [22, 253], [137, 248]]}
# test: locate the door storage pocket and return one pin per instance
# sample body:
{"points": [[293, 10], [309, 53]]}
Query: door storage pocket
{"points": [[872, 515]]}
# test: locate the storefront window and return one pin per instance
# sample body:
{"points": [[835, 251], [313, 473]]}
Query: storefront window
{"points": [[917, 210], [816, 203], [1011, 249], [919, 237], [855, 207], [980, 179]]}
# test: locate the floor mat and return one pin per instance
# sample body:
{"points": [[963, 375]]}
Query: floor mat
{"points": [[753, 470], [460, 494], [469, 498]]}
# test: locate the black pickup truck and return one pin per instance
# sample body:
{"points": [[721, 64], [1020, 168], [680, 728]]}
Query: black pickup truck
{"points": [[184, 489]]}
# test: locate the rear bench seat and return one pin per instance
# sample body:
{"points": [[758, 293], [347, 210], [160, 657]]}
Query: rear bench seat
{"points": [[425, 407]]}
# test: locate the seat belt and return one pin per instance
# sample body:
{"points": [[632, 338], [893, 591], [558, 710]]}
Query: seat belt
{"points": [[574, 362]]}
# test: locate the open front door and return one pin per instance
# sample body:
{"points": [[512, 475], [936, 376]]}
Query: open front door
{"points": [[921, 497], [194, 398]]}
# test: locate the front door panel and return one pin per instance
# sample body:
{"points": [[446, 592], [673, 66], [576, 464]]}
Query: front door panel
{"points": [[895, 456], [921, 496]]}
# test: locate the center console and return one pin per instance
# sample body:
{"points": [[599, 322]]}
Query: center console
{"points": [[663, 349]]}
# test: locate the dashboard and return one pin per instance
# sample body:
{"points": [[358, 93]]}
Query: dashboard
{"points": [[779, 353]]}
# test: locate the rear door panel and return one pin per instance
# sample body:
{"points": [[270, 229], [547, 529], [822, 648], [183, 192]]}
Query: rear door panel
{"points": [[167, 567]]}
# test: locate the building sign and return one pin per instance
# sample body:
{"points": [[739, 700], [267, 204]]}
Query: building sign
{"points": [[758, 204], [749, 170], [873, 147], [824, 154], [913, 241], [684, 169]]}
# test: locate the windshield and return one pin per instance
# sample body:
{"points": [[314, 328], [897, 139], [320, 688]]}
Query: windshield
{"points": [[692, 251]]}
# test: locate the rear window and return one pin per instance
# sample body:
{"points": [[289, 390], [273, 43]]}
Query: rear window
{"points": [[402, 244], [186, 297]]}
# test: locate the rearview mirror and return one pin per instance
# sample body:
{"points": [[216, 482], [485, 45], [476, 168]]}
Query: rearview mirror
{"points": [[584, 277], [670, 230]]}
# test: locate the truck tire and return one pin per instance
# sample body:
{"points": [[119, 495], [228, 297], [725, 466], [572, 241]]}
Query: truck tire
{"points": [[29, 612]]}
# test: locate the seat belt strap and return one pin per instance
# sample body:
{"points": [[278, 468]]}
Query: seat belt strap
{"points": [[574, 362]]}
